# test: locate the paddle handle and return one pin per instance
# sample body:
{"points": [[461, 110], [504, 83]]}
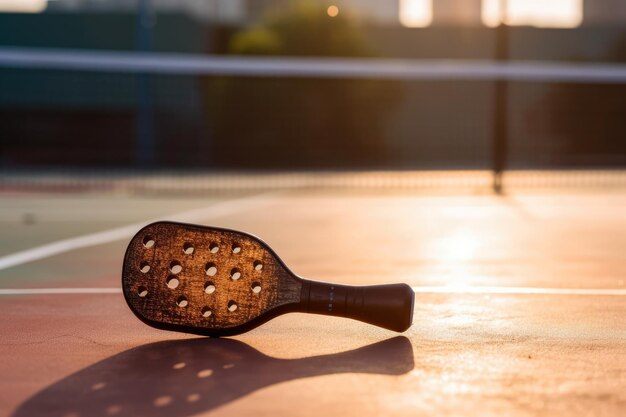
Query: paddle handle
{"points": [[389, 306]]}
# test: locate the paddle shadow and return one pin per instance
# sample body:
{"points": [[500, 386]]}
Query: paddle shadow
{"points": [[186, 377]]}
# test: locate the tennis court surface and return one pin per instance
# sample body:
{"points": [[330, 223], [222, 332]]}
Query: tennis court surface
{"points": [[520, 306], [471, 149]]}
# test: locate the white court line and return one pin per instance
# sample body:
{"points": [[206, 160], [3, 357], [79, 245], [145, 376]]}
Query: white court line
{"points": [[124, 232], [518, 290], [419, 290], [51, 291]]}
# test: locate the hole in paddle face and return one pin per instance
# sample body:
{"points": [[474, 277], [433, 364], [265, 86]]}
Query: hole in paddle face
{"points": [[142, 291], [188, 248], [98, 386], [214, 248], [209, 288], [144, 267], [148, 242], [236, 248], [256, 287], [172, 282], [235, 274], [210, 269], [258, 265], [206, 312], [182, 302], [175, 267], [232, 306], [162, 401]]}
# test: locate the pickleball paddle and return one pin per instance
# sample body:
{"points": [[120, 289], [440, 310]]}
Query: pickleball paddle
{"points": [[220, 282]]}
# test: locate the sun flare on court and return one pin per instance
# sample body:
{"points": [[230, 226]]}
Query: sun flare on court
{"points": [[458, 247]]}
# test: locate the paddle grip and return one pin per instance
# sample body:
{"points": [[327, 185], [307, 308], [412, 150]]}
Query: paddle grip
{"points": [[389, 306]]}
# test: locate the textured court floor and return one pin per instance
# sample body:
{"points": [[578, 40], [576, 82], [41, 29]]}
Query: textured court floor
{"points": [[520, 307]]}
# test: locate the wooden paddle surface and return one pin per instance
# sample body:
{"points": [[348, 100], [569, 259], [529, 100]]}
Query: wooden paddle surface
{"points": [[216, 282]]}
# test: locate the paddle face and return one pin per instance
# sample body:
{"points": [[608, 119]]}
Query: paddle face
{"points": [[205, 280]]}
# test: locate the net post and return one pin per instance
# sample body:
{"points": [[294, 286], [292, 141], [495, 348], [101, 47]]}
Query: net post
{"points": [[500, 115], [145, 139]]}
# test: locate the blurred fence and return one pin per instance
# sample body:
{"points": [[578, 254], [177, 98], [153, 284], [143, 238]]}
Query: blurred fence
{"points": [[82, 108], [448, 99]]}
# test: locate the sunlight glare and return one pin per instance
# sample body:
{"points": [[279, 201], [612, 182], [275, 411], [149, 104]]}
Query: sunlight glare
{"points": [[490, 13], [332, 10], [456, 252], [459, 247], [416, 13], [537, 13], [23, 6]]}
